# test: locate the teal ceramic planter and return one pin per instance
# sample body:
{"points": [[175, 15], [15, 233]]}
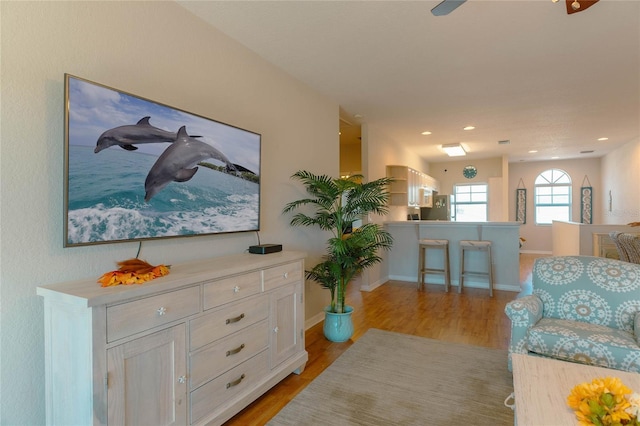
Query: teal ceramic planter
{"points": [[338, 327]]}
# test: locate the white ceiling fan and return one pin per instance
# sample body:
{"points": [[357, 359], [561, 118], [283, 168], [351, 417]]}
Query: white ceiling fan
{"points": [[447, 6]]}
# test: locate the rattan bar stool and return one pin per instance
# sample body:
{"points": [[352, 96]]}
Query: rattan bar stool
{"points": [[468, 245], [423, 270]]}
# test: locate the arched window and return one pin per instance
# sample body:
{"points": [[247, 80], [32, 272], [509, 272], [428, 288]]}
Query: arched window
{"points": [[552, 197]]}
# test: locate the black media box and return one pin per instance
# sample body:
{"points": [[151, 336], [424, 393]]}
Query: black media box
{"points": [[265, 248]]}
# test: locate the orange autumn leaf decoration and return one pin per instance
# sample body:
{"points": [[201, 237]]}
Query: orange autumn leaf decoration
{"points": [[133, 271]]}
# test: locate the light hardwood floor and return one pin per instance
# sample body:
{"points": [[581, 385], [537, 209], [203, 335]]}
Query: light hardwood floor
{"points": [[471, 317]]}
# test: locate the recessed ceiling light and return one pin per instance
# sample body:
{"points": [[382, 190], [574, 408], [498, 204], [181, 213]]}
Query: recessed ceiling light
{"points": [[603, 139], [426, 133], [469, 128], [555, 158], [533, 151]]}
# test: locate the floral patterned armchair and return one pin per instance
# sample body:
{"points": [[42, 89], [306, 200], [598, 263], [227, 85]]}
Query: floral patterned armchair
{"points": [[583, 309]]}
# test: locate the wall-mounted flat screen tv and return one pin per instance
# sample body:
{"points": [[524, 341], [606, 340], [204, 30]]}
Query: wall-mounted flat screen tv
{"points": [[138, 170]]}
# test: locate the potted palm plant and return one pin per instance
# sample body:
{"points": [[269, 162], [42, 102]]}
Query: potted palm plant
{"points": [[338, 206]]}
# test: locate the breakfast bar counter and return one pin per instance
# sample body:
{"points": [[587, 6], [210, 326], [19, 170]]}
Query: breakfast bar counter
{"points": [[504, 236]]}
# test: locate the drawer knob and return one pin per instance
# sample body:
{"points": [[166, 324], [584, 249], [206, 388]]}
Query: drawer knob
{"points": [[161, 311], [182, 379], [235, 382], [236, 319], [236, 289], [275, 330], [286, 275], [236, 350]]}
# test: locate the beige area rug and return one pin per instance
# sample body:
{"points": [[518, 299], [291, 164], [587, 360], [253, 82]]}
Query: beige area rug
{"points": [[387, 378]]}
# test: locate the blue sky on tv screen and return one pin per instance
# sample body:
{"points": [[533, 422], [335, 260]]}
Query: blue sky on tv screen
{"points": [[94, 109]]}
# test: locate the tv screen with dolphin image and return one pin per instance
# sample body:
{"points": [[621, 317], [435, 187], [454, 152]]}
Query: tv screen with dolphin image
{"points": [[138, 170]]}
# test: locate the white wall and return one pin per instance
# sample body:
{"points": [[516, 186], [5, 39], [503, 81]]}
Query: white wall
{"points": [[571, 239], [492, 171], [159, 51], [449, 173], [621, 178], [618, 172], [380, 150], [538, 237], [566, 238], [496, 200]]}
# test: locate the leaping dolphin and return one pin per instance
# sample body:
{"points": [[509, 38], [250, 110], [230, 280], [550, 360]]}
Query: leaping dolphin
{"points": [[177, 162], [127, 136]]}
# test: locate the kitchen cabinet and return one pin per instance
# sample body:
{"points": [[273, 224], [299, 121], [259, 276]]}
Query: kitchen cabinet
{"points": [[411, 187], [193, 347], [426, 197]]}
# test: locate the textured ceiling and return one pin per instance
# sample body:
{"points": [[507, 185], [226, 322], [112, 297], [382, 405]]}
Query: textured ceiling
{"points": [[517, 70]]}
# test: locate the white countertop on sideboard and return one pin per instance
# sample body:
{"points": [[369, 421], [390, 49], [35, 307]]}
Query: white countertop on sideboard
{"points": [[89, 293]]}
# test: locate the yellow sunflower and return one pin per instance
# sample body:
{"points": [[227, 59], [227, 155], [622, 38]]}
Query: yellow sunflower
{"points": [[603, 401]]}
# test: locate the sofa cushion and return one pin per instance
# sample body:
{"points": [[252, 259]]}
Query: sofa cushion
{"points": [[585, 343], [589, 289], [636, 327]]}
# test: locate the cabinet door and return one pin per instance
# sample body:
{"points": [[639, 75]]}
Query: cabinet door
{"points": [[287, 333], [147, 380]]}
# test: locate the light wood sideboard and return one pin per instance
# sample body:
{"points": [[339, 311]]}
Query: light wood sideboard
{"points": [[193, 347]]}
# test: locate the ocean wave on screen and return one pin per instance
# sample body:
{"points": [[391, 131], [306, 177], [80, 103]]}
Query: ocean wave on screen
{"points": [[185, 191], [101, 223], [241, 215]]}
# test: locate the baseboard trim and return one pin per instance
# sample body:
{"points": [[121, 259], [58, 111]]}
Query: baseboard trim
{"points": [[373, 286], [316, 319], [536, 252], [468, 282], [406, 278]]}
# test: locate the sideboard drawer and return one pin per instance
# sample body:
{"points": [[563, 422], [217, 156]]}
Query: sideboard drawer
{"points": [[210, 396], [223, 322], [226, 353], [139, 315], [282, 275], [223, 291]]}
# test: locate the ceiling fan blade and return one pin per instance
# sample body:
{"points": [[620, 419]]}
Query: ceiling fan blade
{"points": [[584, 4], [446, 7]]}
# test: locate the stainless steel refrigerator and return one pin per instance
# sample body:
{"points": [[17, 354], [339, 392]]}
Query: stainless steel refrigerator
{"points": [[441, 209]]}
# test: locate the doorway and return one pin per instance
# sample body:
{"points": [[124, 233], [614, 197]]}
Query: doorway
{"points": [[350, 146]]}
